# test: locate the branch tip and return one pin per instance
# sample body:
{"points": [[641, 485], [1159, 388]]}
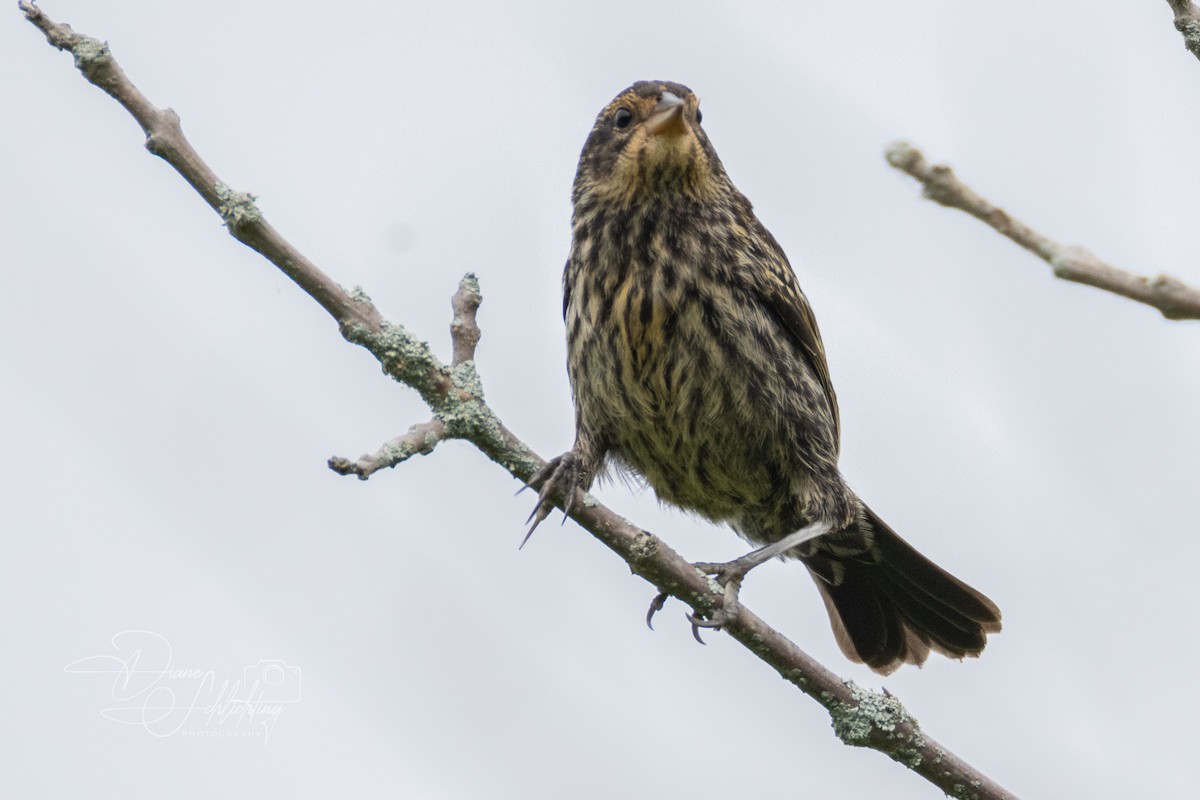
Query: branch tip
{"points": [[1175, 299], [903, 156], [464, 330], [1187, 22], [420, 439]]}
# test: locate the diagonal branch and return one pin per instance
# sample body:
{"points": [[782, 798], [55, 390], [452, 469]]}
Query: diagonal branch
{"points": [[860, 717], [1175, 299], [1187, 22]]}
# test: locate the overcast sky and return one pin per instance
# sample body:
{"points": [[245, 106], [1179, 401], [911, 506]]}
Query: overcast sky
{"points": [[170, 400]]}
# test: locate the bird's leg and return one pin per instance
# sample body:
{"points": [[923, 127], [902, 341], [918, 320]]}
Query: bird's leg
{"points": [[730, 574], [559, 475], [568, 475]]}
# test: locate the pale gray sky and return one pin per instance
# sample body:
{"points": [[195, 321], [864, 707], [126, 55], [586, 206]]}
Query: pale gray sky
{"points": [[171, 399]]}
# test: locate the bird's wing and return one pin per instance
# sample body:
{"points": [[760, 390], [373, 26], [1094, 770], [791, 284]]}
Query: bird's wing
{"points": [[779, 291]]}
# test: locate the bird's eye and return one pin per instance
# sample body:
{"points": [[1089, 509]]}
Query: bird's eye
{"points": [[623, 118], [699, 117]]}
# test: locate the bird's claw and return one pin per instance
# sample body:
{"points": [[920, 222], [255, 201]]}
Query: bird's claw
{"points": [[656, 605], [558, 475], [729, 577]]}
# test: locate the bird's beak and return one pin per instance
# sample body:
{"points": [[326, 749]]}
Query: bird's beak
{"points": [[667, 119]]}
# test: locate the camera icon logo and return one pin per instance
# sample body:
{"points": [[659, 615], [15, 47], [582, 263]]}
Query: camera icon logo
{"points": [[272, 681]]}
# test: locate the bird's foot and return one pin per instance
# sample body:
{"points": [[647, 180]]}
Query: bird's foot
{"points": [[729, 577], [657, 604], [730, 574], [559, 476]]}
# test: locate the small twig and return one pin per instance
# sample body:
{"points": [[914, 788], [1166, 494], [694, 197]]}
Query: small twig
{"points": [[861, 718], [1175, 299], [464, 330], [419, 440], [1187, 22]]}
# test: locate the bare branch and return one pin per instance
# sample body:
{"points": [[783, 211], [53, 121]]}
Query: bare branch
{"points": [[860, 717], [1187, 22], [419, 440], [1175, 299], [464, 331]]}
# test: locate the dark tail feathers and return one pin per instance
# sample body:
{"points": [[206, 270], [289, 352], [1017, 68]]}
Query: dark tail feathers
{"points": [[890, 605]]}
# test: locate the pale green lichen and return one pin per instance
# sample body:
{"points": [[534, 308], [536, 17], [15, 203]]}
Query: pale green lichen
{"points": [[464, 412], [471, 283], [236, 208], [1191, 34], [396, 452], [461, 409], [465, 378], [713, 585], [797, 677], [520, 461], [645, 546], [401, 449], [876, 719], [401, 354], [89, 52]]}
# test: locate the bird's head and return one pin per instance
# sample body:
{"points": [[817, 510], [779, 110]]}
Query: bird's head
{"points": [[646, 142]]}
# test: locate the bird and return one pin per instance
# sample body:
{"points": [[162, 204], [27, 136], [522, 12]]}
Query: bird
{"points": [[696, 365]]}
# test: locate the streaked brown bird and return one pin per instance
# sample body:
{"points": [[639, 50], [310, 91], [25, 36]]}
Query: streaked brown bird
{"points": [[696, 363]]}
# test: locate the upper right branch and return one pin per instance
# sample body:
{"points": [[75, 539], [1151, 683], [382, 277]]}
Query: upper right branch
{"points": [[1175, 299], [1187, 22]]}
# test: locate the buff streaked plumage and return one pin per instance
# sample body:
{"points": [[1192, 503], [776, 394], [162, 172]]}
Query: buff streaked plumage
{"points": [[696, 362]]}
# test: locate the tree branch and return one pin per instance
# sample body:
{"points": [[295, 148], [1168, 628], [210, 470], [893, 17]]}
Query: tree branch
{"points": [[464, 330], [860, 717], [420, 439], [1175, 299], [1187, 22], [424, 437]]}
